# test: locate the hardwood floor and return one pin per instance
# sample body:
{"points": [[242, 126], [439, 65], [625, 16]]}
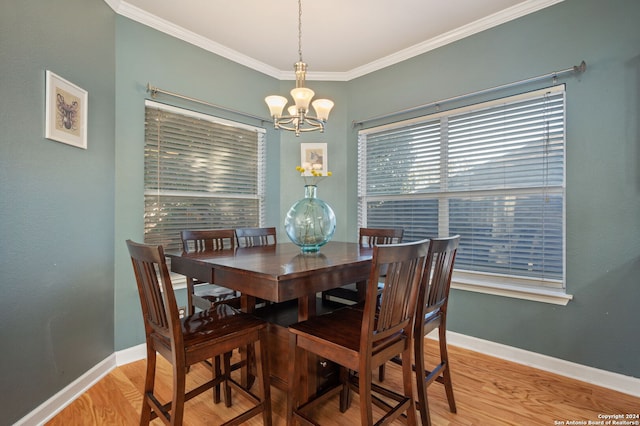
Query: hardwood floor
{"points": [[488, 391]]}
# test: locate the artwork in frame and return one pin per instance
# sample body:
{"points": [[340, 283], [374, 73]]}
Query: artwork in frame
{"points": [[314, 156], [65, 111]]}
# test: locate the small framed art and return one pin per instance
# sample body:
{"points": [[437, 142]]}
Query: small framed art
{"points": [[65, 111], [314, 156]]}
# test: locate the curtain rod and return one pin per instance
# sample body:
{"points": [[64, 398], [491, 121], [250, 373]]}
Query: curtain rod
{"points": [[577, 69], [155, 90]]}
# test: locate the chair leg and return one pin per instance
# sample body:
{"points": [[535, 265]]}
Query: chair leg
{"points": [[446, 373], [421, 385], [149, 382], [292, 394], [366, 402], [216, 371], [345, 393], [381, 373], [262, 372], [177, 402], [407, 379], [227, 372]]}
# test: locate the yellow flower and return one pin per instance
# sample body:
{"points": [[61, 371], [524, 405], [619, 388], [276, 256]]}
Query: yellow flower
{"points": [[312, 173]]}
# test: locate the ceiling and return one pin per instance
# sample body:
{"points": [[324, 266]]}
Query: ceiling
{"points": [[341, 39]]}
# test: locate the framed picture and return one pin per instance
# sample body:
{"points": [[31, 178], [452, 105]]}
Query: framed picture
{"points": [[65, 111], [314, 156]]}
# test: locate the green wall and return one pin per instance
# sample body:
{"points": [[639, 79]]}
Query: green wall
{"points": [[600, 327], [56, 202]]}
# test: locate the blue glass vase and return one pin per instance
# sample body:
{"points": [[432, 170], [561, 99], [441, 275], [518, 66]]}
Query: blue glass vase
{"points": [[310, 222]]}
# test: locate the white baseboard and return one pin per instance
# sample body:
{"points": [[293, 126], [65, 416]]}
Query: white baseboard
{"points": [[618, 382], [615, 381], [48, 409], [132, 354]]}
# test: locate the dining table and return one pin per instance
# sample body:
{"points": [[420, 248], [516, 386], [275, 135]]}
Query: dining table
{"points": [[282, 275]]}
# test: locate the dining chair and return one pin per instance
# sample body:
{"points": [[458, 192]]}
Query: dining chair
{"points": [[201, 294], [253, 237], [257, 237], [433, 299], [360, 339], [195, 338], [368, 237]]}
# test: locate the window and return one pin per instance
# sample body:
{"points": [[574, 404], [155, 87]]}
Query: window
{"points": [[200, 172], [491, 172]]}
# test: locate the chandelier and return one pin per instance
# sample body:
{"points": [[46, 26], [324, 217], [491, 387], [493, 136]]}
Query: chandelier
{"points": [[298, 118]]}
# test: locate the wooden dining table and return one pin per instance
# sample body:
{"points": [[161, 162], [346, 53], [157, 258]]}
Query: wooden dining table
{"points": [[280, 273]]}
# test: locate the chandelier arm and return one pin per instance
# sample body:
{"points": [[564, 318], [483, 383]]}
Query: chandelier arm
{"points": [[299, 128], [284, 119], [299, 124]]}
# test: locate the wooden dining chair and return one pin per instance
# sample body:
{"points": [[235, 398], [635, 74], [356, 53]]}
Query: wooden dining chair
{"points": [[433, 300], [253, 237], [195, 338], [368, 237], [360, 339], [201, 294], [257, 237]]}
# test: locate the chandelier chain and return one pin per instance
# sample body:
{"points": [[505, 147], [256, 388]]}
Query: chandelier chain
{"points": [[300, 30]]}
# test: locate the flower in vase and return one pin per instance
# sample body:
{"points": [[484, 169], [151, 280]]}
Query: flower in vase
{"points": [[312, 173]]}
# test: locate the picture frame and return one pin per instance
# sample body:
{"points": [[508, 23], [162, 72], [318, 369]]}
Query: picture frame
{"points": [[66, 111], [314, 154]]}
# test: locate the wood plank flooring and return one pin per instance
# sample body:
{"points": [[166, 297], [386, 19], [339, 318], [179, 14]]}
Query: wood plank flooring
{"points": [[488, 391]]}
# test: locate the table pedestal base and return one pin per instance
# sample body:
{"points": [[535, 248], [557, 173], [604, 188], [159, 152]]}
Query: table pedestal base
{"points": [[322, 373]]}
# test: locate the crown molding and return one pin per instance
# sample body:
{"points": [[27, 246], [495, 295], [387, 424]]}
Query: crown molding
{"points": [[123, 8], [478, 26]]}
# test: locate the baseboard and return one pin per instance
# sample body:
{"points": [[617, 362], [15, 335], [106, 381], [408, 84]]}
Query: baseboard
{"points": [[48, 409], [132, 354], [614, 381], [618, 382]]}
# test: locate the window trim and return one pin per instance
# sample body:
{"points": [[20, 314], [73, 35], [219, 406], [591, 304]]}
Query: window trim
{"points": [[260, 188], [534, 289], [503, 285]]}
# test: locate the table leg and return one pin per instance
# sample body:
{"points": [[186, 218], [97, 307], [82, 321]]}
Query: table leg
{"points": [[361, 286], [308, 367], [247, 304]]}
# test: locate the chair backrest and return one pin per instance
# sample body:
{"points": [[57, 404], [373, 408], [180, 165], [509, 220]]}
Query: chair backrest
{"points": [[405, 265], [158, 301], [372, 236], [254, 237], [208, 240], [434, 294]]}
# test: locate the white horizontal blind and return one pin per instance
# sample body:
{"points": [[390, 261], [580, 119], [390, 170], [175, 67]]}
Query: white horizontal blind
{"points": [[493, 173], [201, 172]]}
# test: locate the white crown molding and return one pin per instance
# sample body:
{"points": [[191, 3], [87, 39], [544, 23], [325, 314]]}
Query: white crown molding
{"points": [[136, 14], [123, 8], [468, 30]]}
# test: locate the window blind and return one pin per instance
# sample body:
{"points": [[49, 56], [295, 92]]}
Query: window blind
{"points": [[200, 172], [491, 172]]}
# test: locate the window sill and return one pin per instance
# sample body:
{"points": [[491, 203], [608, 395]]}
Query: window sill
{"points": [[178, 281], [554, 296]]}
